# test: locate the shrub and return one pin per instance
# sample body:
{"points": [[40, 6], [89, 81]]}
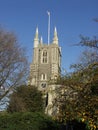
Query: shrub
{"points": [[27, 121]]}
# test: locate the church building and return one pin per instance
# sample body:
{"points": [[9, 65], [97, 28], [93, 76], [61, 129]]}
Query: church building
{"points": [[46, 63]]}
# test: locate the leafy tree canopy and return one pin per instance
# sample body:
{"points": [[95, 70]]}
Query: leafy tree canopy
{"points": [[83, 81], [26, 98]]}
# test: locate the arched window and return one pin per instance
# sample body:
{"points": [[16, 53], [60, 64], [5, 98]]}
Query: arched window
{"points": [[43, 76], [44, 57]]}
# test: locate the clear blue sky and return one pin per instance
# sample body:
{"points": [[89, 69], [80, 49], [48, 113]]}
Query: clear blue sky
{"points": [[71, 17]]}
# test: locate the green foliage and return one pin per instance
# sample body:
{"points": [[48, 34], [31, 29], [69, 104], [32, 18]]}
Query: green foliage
{"points": [[85, 106], [27, 121], [26, 98]]}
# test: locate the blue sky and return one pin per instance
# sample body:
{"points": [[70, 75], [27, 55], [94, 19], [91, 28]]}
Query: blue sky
{"points": [[71, 17]]}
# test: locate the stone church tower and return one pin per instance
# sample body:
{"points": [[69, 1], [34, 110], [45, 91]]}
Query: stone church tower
{"points": [[45, 67]]}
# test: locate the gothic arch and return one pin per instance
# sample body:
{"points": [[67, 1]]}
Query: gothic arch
{"points": [[43, 76], [44, 56]]}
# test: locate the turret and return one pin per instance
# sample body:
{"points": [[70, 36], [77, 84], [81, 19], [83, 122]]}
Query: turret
{"points": [[55, 39], [36, 39]]}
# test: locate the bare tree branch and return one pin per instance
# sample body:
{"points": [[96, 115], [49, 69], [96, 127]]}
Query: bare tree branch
{"points": [[13, 62]]}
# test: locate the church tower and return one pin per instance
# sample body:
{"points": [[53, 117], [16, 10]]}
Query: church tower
{"points": [[45, 66]]}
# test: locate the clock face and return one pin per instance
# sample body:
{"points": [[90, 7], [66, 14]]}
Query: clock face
{"points": [[43, 85]]}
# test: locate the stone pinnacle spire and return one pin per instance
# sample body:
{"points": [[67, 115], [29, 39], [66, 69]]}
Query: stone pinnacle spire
{"points": [[36, 39], [36, 34], [55, 39]]}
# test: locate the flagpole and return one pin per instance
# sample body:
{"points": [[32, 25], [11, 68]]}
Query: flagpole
{"points": [[48, 27]]}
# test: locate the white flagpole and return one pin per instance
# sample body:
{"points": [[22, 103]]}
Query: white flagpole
{"points": [[48, 27]]}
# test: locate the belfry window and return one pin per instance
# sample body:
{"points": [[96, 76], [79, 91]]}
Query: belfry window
{"points": [[44, 59]]}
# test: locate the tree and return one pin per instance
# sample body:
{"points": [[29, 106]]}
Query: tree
{"points": [[13, 62], [86, 41], [26, 98], [84, 81], [83, 106]]}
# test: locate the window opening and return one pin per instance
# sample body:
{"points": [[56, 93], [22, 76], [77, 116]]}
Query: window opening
{"points": [[44, 57]]}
